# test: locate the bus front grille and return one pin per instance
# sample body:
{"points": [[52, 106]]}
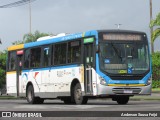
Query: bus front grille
{"points": [[126, 90]]}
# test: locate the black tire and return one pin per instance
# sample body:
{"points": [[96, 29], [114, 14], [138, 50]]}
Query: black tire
{"points": [[78, 98], [122, 100], [67, 100], [39, 100], [31, 96]]}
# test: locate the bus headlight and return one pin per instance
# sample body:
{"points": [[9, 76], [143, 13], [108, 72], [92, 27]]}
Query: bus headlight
{"points": [[102, 81], [149, 81]]}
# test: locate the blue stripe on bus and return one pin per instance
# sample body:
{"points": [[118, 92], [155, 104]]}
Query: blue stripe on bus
{"points": [[61, 39], [51, 68]]}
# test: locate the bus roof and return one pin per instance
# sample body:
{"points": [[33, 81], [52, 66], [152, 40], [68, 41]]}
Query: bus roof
{"points": [[49, 40], [121, 31], [16, 47], [61, 38]]}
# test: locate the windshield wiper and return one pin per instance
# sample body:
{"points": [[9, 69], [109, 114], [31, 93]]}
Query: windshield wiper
{"points": [[116, 51]]}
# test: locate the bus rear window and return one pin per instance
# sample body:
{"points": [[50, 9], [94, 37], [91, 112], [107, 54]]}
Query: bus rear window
{"points": [[12, 61]]}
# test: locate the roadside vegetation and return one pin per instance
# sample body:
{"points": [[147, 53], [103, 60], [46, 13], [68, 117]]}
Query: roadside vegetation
{"points": [[156, 70], [155, 23], [2, 68]]}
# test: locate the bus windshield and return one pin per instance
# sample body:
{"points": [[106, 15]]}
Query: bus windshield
{"points": [[125, 57]]}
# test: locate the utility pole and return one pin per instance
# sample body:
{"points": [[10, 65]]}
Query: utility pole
{"points": [[151, 28], [0, 41], [30, 18]]}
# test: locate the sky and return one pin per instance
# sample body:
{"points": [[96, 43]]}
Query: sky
{"points": [[72, 16]]}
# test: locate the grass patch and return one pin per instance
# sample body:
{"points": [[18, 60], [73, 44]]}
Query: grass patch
{"points": [[8, 97], [145, 98], [155, 89]]}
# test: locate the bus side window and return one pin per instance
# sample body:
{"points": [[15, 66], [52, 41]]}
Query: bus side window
{"points": [[27, 58], [45, 56], [52, 55], [56, 61], [35, 57], [12, 61], [60, 53], [74, 52]]}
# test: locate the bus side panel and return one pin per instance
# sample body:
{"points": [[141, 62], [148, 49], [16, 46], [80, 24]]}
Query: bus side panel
{"points": [[11, 83], [45, 81], [53, 82], [22, 86], [94, 82], [32, 76], [61, 79]]}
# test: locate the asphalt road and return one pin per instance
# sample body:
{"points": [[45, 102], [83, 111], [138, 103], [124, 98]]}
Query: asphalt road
{"points": [[93, 105]]}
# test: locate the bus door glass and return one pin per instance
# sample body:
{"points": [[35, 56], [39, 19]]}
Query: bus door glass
{"points": [[88, 64], [19, 69]]}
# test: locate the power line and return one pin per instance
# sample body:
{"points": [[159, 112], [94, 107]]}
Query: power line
{"points": [[16, 4], [20, 3]]}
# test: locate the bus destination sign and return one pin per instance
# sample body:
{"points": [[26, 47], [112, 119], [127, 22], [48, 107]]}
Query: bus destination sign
{"points": [[112, 36]]}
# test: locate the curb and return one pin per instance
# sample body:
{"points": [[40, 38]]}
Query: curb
{"points": [[155, 92]]}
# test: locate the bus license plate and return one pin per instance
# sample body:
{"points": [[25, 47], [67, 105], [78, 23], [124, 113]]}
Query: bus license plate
{"points": [[128, 91]]}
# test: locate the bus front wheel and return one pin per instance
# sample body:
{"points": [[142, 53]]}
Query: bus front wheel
{"points": [[67, 100], [78, 98], [122, 100]]}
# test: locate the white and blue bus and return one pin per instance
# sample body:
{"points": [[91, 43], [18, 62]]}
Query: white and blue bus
{"points": [[75, 67]]}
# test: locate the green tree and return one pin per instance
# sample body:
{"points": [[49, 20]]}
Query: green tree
{"points": [[33, 37], [17, 42], [156, 69], [155, 23], [2, 68], [29, 37]]}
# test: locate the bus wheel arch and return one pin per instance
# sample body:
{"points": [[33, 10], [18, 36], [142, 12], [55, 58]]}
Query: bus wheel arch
{"points": [[28, 84], [76, 93], [30, 95], [73, 84]]}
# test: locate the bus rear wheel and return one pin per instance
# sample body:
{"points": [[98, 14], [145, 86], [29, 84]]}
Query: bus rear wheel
{"points": [[78, 98], [31, 96]]}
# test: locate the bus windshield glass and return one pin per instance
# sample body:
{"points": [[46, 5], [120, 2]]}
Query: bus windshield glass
{"points": [[124, 57]]}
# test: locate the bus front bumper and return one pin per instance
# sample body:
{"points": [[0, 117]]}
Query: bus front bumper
{"points": [[124, 90]]}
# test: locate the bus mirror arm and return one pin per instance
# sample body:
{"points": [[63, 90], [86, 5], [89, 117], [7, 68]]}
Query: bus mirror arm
{"points": [[97, 49]]}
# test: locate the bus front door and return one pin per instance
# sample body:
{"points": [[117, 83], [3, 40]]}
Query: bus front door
{"points": [[88, 65]]}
